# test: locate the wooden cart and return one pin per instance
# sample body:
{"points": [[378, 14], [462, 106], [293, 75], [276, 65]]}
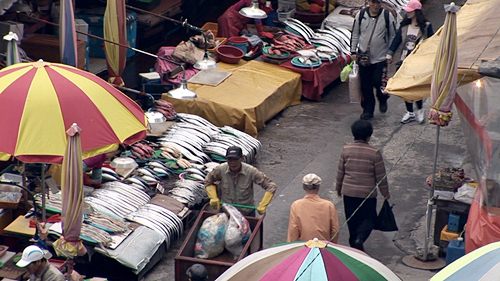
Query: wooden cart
{"points": [[215, 266]]}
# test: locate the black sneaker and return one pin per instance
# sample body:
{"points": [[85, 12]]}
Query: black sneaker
{"points": [[366, 116], [382, 106]]}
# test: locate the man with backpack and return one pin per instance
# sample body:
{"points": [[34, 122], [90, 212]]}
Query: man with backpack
{"points": [[372, 33]]}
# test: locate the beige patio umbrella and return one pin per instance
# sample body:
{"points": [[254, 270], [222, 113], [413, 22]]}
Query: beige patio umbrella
{"points": [[443, 91]]}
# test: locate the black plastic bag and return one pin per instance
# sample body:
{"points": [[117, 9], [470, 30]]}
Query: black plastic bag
{"points": [[385, 219]]}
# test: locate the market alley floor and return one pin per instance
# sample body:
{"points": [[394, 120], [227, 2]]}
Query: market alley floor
{"points": [[308, 138]]}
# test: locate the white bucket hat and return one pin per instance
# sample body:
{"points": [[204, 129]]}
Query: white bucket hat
{"points": [[311, 179], [33, 253]]}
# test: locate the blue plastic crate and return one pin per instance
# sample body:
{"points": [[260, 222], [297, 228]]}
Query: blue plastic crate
{"points": [[96, 25], [454, 223]]}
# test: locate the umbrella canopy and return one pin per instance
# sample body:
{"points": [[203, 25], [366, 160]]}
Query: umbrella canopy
{"points": [[12, 51], [313, 260], [68, 33], [39, 100], [70, 245], [481, 264], [115, 30], [444, 78]]}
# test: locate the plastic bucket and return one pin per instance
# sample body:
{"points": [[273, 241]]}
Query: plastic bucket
{"points": [[239, 42]]}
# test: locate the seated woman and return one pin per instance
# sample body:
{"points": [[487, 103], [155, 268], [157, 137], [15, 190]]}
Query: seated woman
{"points": [[314, 6], [231, 23]]}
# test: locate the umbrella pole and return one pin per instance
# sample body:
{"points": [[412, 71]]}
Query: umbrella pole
{"points": [[44, 214], [430, 202]]}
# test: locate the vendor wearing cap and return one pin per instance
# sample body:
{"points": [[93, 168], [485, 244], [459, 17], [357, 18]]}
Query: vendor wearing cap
{"points": [[233, 182], [312, 217], [36, 260]]}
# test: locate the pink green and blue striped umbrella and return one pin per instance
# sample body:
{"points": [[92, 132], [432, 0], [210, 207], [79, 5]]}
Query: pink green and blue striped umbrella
{"points": [[482, 264], [312, 260]]}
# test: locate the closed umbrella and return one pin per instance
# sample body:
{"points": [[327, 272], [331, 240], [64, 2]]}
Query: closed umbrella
{"points": [[70, 245], [444, 78], [12, 50], [67, 33], [312, 260], [115, 30], [39, 101], [443, 91], [482, 264]]}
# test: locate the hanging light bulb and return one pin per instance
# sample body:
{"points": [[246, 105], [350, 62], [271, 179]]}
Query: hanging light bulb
{"points": [[182, 93], [478, 83], [253, 12]]}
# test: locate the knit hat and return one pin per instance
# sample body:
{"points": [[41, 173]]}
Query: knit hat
{"points": [[413, 5], [311, 179]]}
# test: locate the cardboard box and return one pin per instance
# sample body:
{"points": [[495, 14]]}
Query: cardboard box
{"points": [[46, 47], [5, 218]]}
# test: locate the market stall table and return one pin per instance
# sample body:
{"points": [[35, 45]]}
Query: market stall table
{"points": [[314, 80], [253, 94]]}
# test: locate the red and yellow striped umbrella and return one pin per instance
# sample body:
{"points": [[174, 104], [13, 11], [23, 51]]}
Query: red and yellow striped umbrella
{"points": [[39, 101]]}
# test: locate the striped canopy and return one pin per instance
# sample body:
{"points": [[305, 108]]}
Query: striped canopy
{"points": [[39, 101], [310, 261], [481, 264]]}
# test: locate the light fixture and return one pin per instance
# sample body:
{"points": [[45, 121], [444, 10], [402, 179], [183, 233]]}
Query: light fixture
{"points": [[206, 62], [253, 12], [478, 83], [182, 93]]}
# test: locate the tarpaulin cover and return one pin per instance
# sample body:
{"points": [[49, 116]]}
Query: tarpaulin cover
{"points": [[477, 33], [254, 93], [480, 120]]}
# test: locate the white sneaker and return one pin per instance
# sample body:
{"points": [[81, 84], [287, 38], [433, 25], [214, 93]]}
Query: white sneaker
{"points": [[420, 116], [408, 117]]}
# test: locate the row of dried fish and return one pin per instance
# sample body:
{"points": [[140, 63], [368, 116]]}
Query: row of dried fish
{"points": [[229, 136], [159, 219], [117, 199], [189, 192]]}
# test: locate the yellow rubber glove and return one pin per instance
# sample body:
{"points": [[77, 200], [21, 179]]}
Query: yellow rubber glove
{"points": [[266, 199], [212, 194]]}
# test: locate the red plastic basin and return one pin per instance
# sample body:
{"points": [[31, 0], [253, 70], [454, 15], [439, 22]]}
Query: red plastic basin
{"points": [[229, 54]]}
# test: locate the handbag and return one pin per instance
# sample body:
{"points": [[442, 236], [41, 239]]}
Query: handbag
{"points": [[385, 219], [364, 56]]}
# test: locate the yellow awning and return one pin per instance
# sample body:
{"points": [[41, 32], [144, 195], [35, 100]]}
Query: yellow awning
{"points": [[478, 33]]}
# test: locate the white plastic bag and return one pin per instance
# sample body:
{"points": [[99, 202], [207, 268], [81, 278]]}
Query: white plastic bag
{"points": [[354, 84], [237, 232], [210, 238], [465, 193]]}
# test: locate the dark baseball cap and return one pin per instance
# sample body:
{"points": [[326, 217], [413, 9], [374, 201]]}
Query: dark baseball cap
{"points": [[234, 152]]}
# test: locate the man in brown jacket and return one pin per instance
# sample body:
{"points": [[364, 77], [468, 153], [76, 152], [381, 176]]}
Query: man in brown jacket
{"points": [[232, 182], [361, 167]]}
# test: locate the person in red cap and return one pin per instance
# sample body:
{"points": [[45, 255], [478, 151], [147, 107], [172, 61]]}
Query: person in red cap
{"points": [[232, 182], [413, 28]]}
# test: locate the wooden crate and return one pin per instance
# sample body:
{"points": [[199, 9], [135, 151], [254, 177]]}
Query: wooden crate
{"points": [[215, 266]]}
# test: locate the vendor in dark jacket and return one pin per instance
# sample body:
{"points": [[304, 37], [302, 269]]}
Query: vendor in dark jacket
{"points": [[413, 28]]}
